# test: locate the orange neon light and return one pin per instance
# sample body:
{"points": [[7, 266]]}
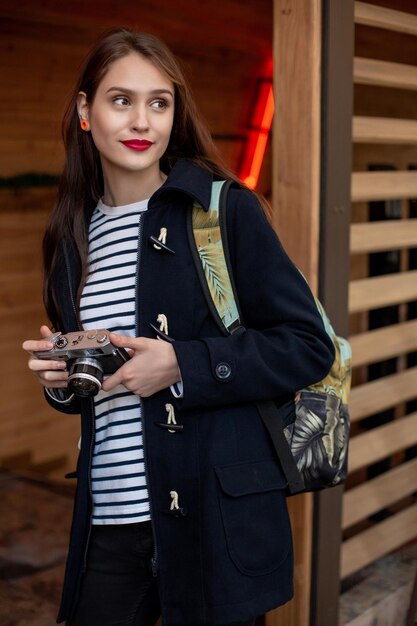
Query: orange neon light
{"points": [[258, 146]]}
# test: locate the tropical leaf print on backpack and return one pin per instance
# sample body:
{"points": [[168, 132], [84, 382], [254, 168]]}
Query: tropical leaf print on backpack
{"points": [[210, 249], [317, 439]]}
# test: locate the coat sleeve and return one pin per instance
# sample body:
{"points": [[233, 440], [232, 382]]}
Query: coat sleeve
{"points": [[63, 401], [284, 346]]}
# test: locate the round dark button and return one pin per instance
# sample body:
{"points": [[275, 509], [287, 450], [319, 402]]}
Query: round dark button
{"points": [[223, 371], [61, 342]]}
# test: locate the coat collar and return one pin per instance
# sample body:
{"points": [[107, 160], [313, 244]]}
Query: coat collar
{"points": [[190, 179]]}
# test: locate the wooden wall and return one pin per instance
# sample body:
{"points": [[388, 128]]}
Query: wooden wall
{"points": [[32, 436], [380, 511], [225, 48]]}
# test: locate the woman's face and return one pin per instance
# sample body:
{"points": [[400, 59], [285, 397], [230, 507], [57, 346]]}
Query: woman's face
{"points": [[131, 116]]}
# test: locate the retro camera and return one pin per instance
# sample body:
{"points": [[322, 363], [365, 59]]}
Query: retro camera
{"points": [[89, 354]]}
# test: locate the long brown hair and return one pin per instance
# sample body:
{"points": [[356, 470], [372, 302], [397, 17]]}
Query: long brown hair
{"points": [[81, 183]]}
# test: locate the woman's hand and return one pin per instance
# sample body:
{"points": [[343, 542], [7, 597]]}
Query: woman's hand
{"points": [[50, 374], [153, 366]]}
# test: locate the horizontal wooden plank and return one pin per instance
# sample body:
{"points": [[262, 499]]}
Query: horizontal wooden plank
{"points": [[30, 421], [382, 538], [374, 293], [382, 394], [179, 26], [389, 19], [29, 322], [384, 74], [376, 494], [54, 440], [47, 156], [380, 443], [387, 130], [22, 311], [30, 244], [64, 433], [28, 302], [19, 329], [26, 264], [369, 186], [383, 343], [27, 202], [387, 235], [33, 411]]}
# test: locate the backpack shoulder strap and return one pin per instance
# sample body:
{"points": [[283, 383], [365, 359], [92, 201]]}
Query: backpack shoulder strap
{"points": [[209, 244], [208, 238]]}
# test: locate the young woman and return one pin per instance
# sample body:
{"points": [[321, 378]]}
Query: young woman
{"points": [[180, 504]]}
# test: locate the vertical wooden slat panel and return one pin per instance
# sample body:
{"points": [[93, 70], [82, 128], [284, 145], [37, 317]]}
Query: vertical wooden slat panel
{"points": [[295, 185], [383, 444]]}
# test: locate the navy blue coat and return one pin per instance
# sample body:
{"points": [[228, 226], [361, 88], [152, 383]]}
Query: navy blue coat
{"points": [[227, 554]]}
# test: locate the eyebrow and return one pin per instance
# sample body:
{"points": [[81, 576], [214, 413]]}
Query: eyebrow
{"points": [[154, 92]]}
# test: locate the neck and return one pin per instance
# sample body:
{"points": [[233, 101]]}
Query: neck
{"points": [[121, 187]]}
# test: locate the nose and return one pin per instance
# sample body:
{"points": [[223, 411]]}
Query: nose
{"points": [[139, 120]]}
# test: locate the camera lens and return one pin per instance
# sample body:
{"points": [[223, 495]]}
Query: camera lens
{"points": [[86, 376]]}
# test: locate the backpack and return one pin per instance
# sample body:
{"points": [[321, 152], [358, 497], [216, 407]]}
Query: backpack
{"points": [[310, 433]]}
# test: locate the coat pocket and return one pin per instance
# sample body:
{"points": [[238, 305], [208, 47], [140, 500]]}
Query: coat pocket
{"points": [[254, 513]]}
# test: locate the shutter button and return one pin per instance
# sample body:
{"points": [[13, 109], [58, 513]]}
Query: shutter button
{"points": [[223, 371]]}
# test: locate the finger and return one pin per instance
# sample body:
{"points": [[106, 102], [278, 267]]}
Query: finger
{"points": [[113, 381], [45, 331], [56, 384], [39, 365], [122, 341], [49, 376], [34, 345]]}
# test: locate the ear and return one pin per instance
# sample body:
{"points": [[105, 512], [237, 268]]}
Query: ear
{"points": [[82, 105]]}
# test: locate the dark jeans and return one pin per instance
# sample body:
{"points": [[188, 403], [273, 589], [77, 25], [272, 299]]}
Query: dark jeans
{"points": [[118, 588]]}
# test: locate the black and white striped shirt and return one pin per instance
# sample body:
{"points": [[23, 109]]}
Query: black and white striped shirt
{"points": [[120, 493]]}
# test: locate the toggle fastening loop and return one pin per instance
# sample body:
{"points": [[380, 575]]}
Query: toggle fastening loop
{"points": [[163, 324], [162, 331], [160, 334], [175, 509], [174, 503], [171, 417], [162, 238], [155, 243]]}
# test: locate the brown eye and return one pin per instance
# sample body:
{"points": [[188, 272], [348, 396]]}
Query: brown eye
{"points": [[159, 104], [121, 100]]}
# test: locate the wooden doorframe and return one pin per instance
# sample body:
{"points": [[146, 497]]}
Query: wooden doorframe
{"points": [[296, 213], [311, 172]]}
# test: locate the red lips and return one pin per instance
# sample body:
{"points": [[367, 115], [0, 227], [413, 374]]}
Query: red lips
{"points": [[137, 144]]}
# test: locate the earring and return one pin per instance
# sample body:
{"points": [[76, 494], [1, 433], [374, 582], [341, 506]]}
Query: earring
{"points": [[84, 125]]}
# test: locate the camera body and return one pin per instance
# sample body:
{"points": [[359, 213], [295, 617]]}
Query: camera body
{"points": [[89, 354]]}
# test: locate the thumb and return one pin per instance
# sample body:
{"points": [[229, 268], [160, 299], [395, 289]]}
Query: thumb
{"points": [[45, 331], [122, 341]]}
